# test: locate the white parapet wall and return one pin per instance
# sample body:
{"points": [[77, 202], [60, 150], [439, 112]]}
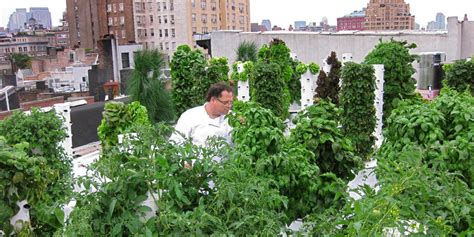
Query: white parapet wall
{"points": [[64, 110], [378, 103], [243, 89]]}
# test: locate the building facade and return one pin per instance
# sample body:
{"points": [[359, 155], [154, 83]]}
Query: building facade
{"points": [[166, 24], [92, 20], [388, 15], [353, 21]]}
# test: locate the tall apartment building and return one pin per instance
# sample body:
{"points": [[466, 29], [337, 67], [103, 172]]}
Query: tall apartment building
{"points": [[91, 20], [166, 24], [389, 15]]}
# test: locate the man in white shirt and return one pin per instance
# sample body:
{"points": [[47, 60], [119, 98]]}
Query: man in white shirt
{"points": [[206, 121]]}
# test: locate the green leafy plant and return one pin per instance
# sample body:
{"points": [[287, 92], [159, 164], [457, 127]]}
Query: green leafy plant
{"points": [[357, 103], [313, 68], [246, 51], [301, 68], [276, 54], [245, 75], [460, 75], [328, 85], [43, 132], [147, 88], [21, 61], [118, 118], [187, 71], [216, 71], [317, 129], [398, 81]]}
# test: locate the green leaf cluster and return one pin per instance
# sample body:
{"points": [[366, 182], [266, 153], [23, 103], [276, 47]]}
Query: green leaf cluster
{"points": [[192, 75], [147, 88], [35, 167], [246, 51], [119, 118], [357, 103], [398, 81], [460, 75], [317, 128], [245, 75]]}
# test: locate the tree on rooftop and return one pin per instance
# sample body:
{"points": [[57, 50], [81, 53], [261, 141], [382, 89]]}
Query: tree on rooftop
{"points": [[147, 88], [246, 51]]}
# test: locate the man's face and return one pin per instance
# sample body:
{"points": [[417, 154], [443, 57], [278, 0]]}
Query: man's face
{"points": [[223, 103]]}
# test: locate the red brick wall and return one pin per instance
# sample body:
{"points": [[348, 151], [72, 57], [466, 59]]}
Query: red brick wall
{"points": [[42, 103], [5, 114]]}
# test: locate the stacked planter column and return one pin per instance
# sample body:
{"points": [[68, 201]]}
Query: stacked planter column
{"points": [[243, 89], [378, 103], [308, 86]]}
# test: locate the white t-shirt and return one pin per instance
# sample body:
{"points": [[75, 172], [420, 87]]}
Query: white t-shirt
{"points": [[196, 124]]}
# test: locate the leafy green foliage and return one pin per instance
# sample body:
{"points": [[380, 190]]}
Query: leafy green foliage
{"points": [[246, 51], [460, 75], [301, 68], [328, 85], [397, 61], [294, 85], [357, 103], [245, 75], [313, 68], [22, 177], [269, 89], [147, 88], [118, 118], [187, 70], [317, 129], [258, 137], [22, 61], [276, 55], [43, 174], [216, 71]]}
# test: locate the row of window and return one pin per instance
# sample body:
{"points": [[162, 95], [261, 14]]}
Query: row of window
{"points": [[161, 33], [161, 19], [112, 7], [116, 20], [23, 49], [119, 34], [214, 18]]}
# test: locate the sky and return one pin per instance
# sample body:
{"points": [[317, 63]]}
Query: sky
{"points": [[284, 12]]}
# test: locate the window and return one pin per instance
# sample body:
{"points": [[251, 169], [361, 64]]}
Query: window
{"points": [[194, 30], [172, 19], [158, 4], [20, 49], [152, 32], [173, 33], [110, 21], [166, 32], [241, 7], [122, 20], [241, 19], [203, 4], [124, 34], [171, 5], [115, 20], [213, 5], [167, 46], [151, 18], [165, 19], [109, 7], [150, 7], [173, 45], [159, 19], [161, 33], [193, 3], [125, 60], [204, 18], [205, 30], [114, 7], [193, 17], [214, 18], [161, 46], [164, 5], [121, 6]]}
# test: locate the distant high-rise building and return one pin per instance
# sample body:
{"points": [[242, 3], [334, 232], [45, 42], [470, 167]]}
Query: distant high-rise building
{"points": [[389, 15], [353, 21], [268, 24], [42, 16], [17, 20], [440, 21], [92, 20], [166, 24], [300, 24]]}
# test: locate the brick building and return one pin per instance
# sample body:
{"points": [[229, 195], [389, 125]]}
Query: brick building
{"points": [[389, 15], [353, 21]]}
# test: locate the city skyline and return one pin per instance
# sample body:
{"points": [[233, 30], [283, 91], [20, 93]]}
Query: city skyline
{"points": [[283, 14]]}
